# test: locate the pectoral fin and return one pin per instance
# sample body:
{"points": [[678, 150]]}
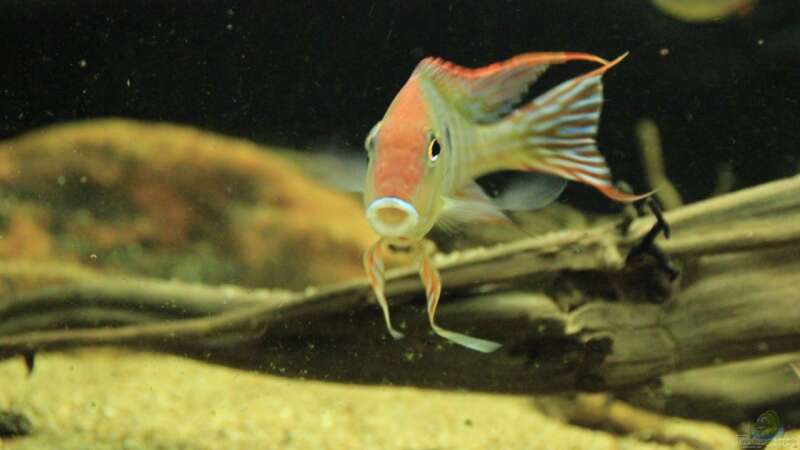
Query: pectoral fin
{"points": [[530, 191], [339, 169], [470, 205]]}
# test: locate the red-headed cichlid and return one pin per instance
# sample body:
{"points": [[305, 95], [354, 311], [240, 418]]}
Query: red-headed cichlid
{"points": [[449, 125]]}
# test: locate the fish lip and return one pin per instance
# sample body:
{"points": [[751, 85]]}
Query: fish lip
{"points": [[392, 230]]}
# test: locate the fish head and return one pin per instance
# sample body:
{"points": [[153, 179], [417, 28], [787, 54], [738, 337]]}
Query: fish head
{"points": [[403, 195]]}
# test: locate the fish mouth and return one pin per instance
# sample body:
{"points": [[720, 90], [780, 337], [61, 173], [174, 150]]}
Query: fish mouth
{"points": [[392, 216]]}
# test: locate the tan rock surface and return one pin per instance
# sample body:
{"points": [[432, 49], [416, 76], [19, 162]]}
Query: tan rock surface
{"points": [[173, 202]]}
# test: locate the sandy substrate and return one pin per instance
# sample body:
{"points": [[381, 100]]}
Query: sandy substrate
{"points": [[104, 399]]}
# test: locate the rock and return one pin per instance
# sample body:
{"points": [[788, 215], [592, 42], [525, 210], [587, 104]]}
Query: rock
{"points": [[172, 201]]}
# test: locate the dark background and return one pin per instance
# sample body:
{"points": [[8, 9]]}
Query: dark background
{"points": [[316, 72]]}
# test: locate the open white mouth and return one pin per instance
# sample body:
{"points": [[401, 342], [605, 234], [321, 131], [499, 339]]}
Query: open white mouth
{"points": [[391, 216]]}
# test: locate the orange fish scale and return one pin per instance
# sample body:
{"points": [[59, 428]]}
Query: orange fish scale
{"points": [[397, 173], [399, 165]]}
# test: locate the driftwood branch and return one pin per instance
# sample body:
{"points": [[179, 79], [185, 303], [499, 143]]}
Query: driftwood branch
{"points": [[571, 313]]}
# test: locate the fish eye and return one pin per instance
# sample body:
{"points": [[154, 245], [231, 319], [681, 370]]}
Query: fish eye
{"points": [[434, 148], [369, 142]]}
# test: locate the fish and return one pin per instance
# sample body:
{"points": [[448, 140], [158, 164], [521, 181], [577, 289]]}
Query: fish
{"points": [[700, 11], [449, 125]]}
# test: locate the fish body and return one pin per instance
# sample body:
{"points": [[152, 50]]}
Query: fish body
{"points": [[449, 125]]}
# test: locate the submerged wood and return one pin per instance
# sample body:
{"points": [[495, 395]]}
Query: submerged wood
{"points": [[730, 393], [571, 313]]}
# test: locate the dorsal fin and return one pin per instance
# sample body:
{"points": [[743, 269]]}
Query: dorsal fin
{"points": [[485, 94]]}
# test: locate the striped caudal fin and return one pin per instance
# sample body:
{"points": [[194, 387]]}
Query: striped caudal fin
{"points": [[558, 131]]}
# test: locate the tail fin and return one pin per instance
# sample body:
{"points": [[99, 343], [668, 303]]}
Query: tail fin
{"points": [[558, 131]]}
